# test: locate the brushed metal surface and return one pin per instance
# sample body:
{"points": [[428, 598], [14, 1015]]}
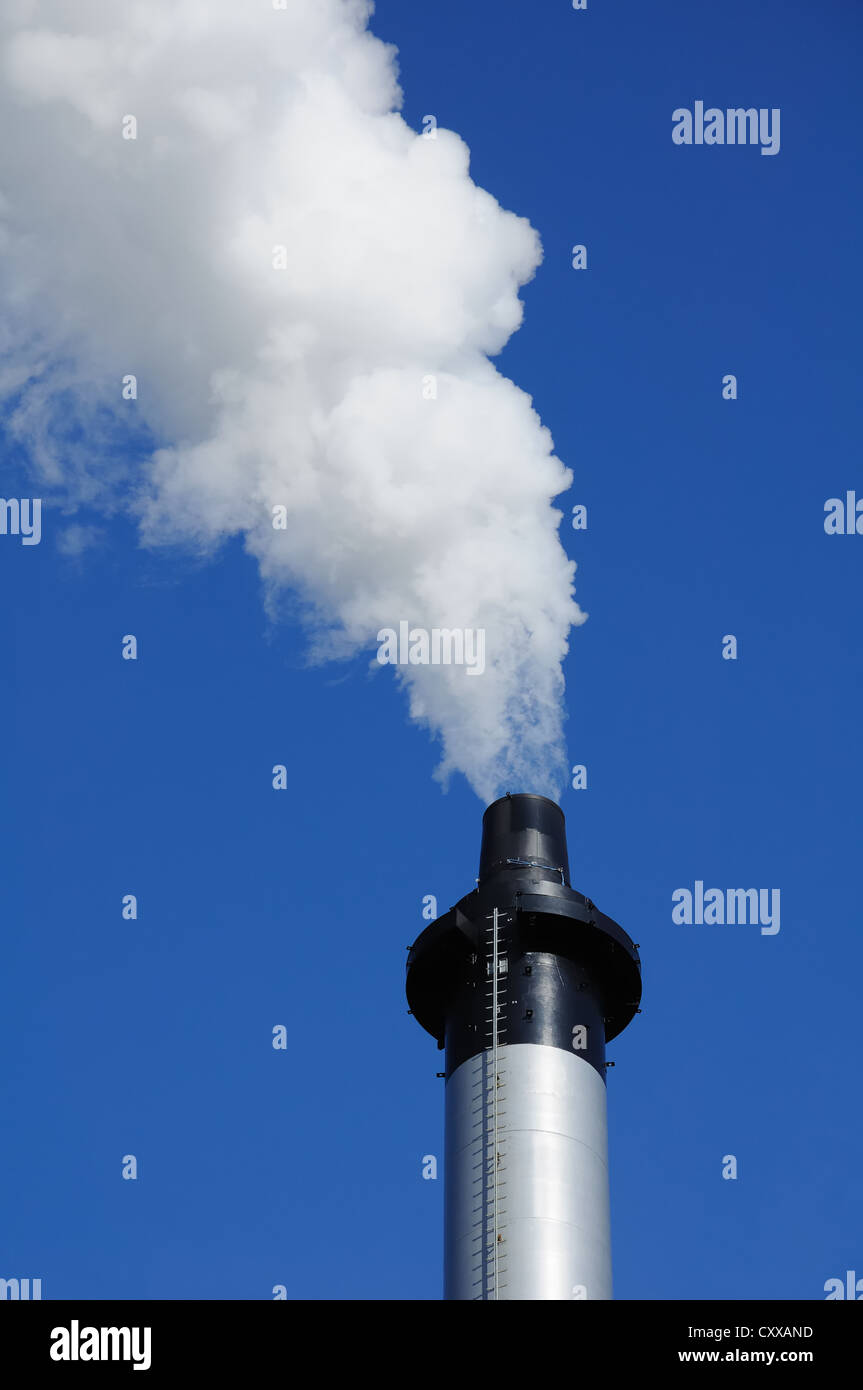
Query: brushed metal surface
{"points": [[548, 1176]]}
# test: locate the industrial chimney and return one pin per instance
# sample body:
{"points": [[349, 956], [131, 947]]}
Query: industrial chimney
{"points": [[523, 982]]}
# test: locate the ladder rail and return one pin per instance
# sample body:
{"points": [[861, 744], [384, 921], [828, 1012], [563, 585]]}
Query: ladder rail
{"points": [[495, 1043]]}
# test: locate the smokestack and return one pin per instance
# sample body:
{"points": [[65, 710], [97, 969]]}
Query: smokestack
{"points": [[523, 982]]}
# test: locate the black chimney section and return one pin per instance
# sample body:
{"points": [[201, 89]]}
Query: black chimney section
{"points": [[524, 832], [567, 964]]}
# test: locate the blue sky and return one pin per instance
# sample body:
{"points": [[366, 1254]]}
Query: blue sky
{"points": [[256, 908]]}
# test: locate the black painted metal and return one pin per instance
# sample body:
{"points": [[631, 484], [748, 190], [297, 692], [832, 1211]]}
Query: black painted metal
{"points": [[570, 977]]}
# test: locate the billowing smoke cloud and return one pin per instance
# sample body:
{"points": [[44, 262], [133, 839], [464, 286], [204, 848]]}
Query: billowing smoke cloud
{"points": [[307, 292]]}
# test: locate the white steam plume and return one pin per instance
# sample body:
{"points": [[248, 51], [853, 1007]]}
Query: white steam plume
{"points": [[305, 386]]}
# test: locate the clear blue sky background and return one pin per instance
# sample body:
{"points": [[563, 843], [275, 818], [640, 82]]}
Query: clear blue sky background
{"points": [[257, 908]]}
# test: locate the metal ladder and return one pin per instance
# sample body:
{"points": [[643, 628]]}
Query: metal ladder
{"points": [[493, 1122]]}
